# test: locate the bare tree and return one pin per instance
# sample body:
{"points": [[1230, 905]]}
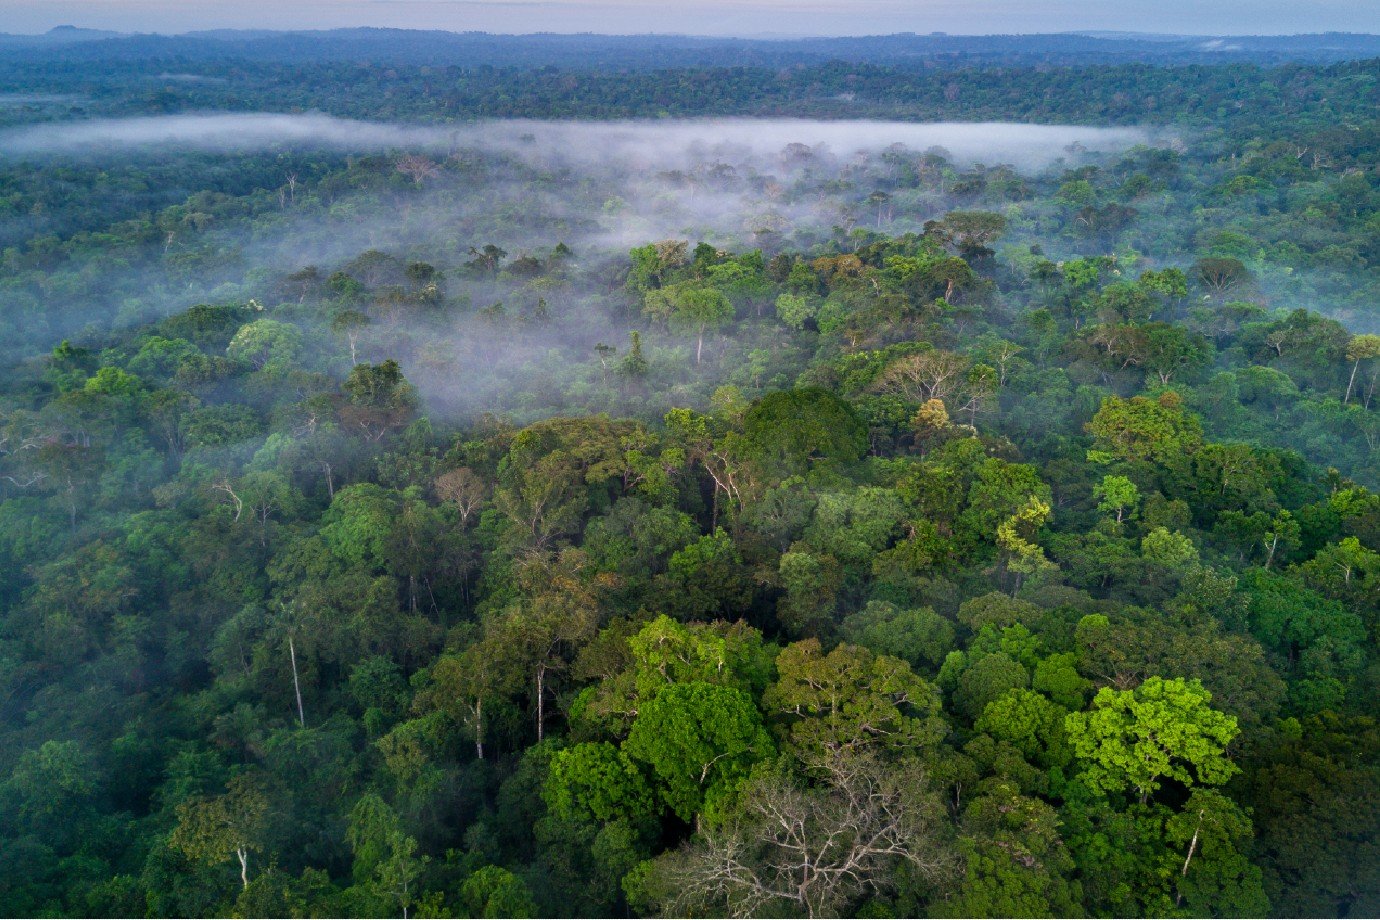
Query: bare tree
{"points": [[417, 168], [463, 487], [810, 851], [926, 375]]}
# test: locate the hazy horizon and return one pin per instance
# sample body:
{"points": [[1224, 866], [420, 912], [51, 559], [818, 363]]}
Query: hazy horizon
{"points": [[710, 18]]}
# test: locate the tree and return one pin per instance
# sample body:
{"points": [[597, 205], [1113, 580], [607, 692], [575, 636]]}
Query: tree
{"points": [[52, 782], [385, 856], [1163, 729], [811, 582], [918, 636], [812, 851], [417, 168], [634, 365], [795, 310], [211, 830], [465, 489], [1030, 723], [1360, 348], [697, 739], [692, 309], [544, 630], [851, 700], [598, 781], [1016, 863], [1117, 495], [1220, 275], [1015, 536], [556, 469], [707, 579], [665, 652], [495, 892], [790, 431], [266, 344], [1140, 428], [1170, 349], [923, 376], [973, 232], [380, 399], [1217, 876]]}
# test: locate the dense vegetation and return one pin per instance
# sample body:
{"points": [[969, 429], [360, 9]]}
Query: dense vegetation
{"points": [[394, 533]]}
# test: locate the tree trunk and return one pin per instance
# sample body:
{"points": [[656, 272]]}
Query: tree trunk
{"points": [[1352, 382], [479, 728], [1193, 845], [243, 855], [541, 702], [296, 685]]}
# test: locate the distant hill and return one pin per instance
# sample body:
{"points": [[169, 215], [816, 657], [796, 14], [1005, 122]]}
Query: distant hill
{"points": [[60, 35], [659, 51]]}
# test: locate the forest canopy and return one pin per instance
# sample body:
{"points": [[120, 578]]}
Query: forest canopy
{"points": [[516, 502]]}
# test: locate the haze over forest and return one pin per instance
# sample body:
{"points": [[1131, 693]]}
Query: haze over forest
{"points": [[474, 475]]}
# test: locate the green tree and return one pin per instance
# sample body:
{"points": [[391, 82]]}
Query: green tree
{"points": [[697, 739], [1360, 348], [1139, 428], [266, 344], [596, 780], [385, 856], [851, 700], [212, 830], [1016, 863], [1117, 495], [1163, 729], [692, 309], [495, 892], [917, 635]]}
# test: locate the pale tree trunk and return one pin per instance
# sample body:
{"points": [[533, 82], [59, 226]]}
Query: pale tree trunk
{"points": [[243, 855], [296, 685], [1352, 382], [1193, 845], [479, 728]]}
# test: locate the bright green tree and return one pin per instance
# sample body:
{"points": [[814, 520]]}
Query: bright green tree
{"points": [[697, 739], [1163, 729]]}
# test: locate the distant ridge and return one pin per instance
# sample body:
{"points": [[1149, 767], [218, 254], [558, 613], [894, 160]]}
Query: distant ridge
{"points": [[590, 50]]}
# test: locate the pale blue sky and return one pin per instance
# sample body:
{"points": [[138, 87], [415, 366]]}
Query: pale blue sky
{"points": [[708, 17]]}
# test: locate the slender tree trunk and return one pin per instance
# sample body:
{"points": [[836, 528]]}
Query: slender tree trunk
{"points": [[699, 347], [1352, 382], [243, 855], [296, 685], [479, 728], [541, 702], [1193, 845]]}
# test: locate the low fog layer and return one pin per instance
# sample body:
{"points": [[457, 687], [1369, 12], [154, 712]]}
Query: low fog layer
{"points": [[659, 143], [524, 186]]}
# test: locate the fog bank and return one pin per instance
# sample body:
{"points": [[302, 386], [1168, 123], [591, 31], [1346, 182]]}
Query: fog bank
{"points": [[660, 144]]}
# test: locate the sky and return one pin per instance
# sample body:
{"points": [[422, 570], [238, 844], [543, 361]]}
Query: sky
{"points": [[707, 17]]}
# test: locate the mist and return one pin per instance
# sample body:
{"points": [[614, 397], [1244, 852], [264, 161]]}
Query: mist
{"points": [[658, 144], [525, 186]]}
